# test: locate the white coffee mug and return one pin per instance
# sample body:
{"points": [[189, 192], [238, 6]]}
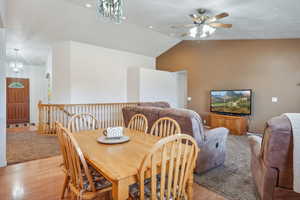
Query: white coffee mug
{"points": [[113, 132]]}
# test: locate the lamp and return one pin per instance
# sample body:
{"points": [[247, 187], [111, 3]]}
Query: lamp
{"points": [[16, 66]]}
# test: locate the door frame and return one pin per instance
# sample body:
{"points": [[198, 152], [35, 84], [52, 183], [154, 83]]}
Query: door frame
{"points": [[6, 86], [182, 88]]}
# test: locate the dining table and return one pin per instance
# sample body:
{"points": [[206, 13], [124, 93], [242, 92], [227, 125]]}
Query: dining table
{"points": [[118, 163]]}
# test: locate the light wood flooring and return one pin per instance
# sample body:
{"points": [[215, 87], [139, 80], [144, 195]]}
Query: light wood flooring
{"points": [[43, 180]]}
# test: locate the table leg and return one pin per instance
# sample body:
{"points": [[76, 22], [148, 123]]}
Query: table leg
{"points": [[120, 190]]}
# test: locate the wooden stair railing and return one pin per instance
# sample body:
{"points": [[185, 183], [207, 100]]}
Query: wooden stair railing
{"points": [[108, 114]]}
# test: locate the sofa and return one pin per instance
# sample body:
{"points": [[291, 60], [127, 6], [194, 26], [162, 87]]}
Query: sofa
{"points": [[212, 142], [272, 161]]}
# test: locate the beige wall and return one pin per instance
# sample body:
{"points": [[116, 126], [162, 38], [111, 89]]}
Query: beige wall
{"points": [[270, 67]]}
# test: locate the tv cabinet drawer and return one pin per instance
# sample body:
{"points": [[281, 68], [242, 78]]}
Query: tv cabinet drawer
{"points": [[237, 125]]}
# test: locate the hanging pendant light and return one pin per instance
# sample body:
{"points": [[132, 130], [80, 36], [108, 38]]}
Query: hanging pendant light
{"points": [[16, 66], [110, 9]]}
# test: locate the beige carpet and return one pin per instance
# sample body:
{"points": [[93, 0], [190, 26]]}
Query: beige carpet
{"points": [[26, 146], [232, 180]]}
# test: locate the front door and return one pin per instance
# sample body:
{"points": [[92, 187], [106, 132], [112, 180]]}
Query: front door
{"points": [[17, 97]]}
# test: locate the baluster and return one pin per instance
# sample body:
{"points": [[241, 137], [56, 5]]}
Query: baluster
{"points": [[114, 113], [107, 114]]}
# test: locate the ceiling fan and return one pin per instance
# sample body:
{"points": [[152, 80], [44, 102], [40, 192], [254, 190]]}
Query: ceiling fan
{"points": [[203, 25]]}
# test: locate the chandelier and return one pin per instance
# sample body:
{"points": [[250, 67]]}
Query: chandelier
{"points": [[110, 9], [16, 65]]}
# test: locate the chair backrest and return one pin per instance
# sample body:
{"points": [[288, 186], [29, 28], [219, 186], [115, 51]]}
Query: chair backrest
{"points": [[165, 127], [138, 122], [83, 122], [175, 158], [80, 176], [59, 129]]}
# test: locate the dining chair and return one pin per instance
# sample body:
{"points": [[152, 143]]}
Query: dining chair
{"points": [[165, 127], [83, 122], [84, 181], [174, 159], [138, 122], [64, 165]]}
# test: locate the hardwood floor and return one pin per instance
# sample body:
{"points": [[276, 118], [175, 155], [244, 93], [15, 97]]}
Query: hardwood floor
{"points": [[21, 129], [43, 180]]}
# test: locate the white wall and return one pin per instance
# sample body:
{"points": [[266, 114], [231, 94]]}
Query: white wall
{"points": [[158, 85], [37, 86], [133, 84], [92, 74], [61, 89], [2, 101], [153, 85]]}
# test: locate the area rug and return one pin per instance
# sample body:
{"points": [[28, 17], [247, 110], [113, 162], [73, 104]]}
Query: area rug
{"points": [[26, 146], [233, 180]]}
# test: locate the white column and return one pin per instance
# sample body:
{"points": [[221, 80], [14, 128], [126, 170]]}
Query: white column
{"points": [[2, 100]]}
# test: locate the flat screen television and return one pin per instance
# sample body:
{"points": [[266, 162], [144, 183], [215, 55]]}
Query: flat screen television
{"points": [[232, 102]]}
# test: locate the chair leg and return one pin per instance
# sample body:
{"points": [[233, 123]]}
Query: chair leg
{"points": [[73, 196], [107, 196], [190, 187], [66, 182]]}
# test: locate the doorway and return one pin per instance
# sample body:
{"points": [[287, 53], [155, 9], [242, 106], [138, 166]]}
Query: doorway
{"points": [[17, 101], [182, 89]]}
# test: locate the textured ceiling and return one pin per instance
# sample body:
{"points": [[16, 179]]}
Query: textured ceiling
{"points": [[33, 25], [255, 19]]}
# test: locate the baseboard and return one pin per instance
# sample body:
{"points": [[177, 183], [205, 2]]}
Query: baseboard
{"points": [[3, 163]]}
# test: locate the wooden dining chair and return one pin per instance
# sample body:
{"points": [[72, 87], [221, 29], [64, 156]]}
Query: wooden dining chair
{"points": [[83, 122], [64, 165], [165, 127], [174, 159], [138, 122], [84, 181]]}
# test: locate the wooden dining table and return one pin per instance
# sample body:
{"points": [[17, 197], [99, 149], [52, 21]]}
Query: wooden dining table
{"points": [[119, 163]]}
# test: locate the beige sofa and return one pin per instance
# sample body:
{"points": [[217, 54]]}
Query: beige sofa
{"points": [[211, 142]]}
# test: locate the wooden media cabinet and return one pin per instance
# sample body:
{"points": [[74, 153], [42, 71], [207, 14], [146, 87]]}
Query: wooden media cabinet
{"points": [[237, 125]]}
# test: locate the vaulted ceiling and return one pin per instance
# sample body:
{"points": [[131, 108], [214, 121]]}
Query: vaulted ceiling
{"points": [[34, 25]]}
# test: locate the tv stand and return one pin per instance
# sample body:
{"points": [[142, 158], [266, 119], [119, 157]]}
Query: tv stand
{"points": [[237, 125]]}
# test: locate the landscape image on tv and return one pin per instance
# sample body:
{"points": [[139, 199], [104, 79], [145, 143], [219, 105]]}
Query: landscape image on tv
{"points": [[236, 102]]}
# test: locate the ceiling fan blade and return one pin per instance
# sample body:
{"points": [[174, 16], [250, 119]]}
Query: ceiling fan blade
{"points": [[220, 25], [183, 26], [215, 18], [222, 15]]}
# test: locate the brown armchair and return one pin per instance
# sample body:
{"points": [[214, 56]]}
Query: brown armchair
{"points": [[272, 161]]}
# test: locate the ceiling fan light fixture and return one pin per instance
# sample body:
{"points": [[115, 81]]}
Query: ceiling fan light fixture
{"points": [[203, 25], [208, 29], [194, 32]]}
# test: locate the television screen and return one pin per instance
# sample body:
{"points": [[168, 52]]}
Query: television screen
{"points": [[231, 101]]}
